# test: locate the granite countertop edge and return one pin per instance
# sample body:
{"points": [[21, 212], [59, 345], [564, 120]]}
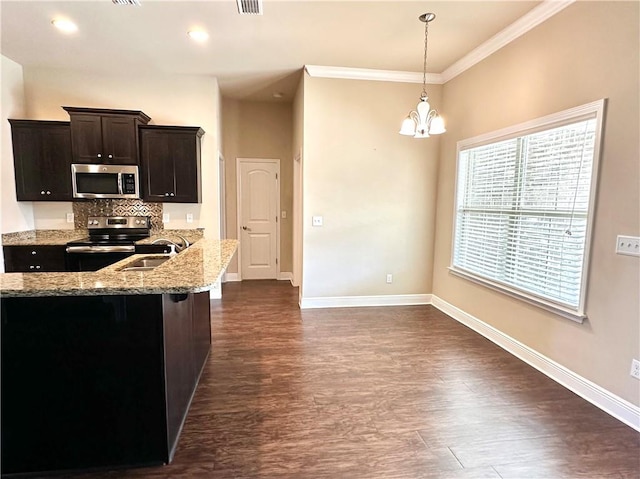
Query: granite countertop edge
{"points": [[62, 237], [196, 269]]}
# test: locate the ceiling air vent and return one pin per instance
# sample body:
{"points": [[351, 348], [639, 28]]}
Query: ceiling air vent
{"points": [[249, 7], [127, 2]]}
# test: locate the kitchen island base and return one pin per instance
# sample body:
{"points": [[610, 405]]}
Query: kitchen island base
{"points": [[98, 381]]}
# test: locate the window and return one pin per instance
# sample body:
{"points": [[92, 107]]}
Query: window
{"points": [[524, 205]]}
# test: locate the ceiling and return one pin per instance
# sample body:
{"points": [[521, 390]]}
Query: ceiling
{"points": [[253, 56]]}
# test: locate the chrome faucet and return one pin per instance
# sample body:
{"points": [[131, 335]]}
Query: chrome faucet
{"points": [[178, 247], [185, 242]]}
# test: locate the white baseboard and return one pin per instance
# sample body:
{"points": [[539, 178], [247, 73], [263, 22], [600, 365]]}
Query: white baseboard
{"points": [[285, 276], [617, 407], [233, 277], [362, 301]]}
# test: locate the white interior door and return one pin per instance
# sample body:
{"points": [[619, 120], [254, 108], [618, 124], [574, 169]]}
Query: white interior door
{"points": [[258, 206]]}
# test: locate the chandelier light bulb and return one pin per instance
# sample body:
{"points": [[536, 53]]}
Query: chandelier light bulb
{"points": [[437, 125]]}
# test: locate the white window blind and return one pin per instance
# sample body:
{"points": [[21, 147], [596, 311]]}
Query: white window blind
{"points": [[523, 208]]}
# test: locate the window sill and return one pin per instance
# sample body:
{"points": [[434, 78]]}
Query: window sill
{"points": [[557, 309]]}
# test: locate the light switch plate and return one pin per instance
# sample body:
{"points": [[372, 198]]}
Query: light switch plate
{"points": [[316, 221], [628, 245], [189, 217], [165, 217], [70, 217]]}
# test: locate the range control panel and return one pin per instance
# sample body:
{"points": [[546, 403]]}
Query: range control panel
{"points": [[117, 222]]}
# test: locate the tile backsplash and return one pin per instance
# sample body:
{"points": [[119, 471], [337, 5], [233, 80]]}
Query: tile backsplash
{"points": [[113, 207]]}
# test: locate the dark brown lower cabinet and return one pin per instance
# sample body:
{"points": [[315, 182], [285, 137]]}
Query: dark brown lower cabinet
{"points": [[98, 381], [34, 259]]}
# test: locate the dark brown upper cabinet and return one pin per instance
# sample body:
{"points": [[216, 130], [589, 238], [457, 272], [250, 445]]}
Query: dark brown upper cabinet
{"points": [[105, 136], [42, 160], [170, 158]]}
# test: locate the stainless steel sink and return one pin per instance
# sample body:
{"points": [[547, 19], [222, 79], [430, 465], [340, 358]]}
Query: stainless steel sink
{"points": [[145, 264]]}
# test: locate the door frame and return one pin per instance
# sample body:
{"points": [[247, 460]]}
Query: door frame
{"points": [[239, 209], [222, 191], [297, 220]]}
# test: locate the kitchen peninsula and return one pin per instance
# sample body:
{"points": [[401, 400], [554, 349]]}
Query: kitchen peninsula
{"points": [[98, 368]]}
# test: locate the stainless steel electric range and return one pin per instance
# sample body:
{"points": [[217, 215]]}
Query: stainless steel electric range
{"points": [[110, 239]]}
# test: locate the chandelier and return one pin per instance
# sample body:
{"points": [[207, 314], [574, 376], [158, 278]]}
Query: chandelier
{"points": [[423, 121]]}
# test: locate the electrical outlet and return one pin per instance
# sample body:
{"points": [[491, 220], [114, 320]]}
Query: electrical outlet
{"points": [[165, 217], [629, 245], [389, 278], [316, 221], [635, 369], [189, 217], [70, 217]]}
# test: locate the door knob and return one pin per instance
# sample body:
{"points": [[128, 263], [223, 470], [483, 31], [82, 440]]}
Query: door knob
{"points": [[246, 229]]}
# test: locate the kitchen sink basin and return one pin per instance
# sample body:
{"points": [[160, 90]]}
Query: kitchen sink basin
{"points": [[145, 264]]}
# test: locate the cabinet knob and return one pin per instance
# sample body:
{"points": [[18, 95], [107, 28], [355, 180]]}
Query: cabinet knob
{"points": [[48, 192], [171, 194], [38, 266], [34, 252], [110, 156], [42, 192], [166, 194], [31, 267], [99, 155]]}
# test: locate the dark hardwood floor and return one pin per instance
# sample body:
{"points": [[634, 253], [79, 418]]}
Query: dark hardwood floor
{"points": [[394, 392]]}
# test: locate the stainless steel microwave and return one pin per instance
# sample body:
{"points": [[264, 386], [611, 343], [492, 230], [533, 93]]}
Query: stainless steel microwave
{"points": [[105, 181]]}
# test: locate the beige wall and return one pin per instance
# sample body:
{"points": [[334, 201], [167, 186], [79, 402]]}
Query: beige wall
{"points": [[298, 204], [259, 130], [588, 51], [375, 189], [14, 216], [167, 99]]}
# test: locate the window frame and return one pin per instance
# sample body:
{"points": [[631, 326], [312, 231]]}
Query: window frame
{"points": [[595, 109]]}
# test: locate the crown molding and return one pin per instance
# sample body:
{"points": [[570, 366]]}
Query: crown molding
{"points": [[346, 73], [527, 22]]}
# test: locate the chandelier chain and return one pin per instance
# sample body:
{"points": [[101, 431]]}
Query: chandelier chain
{"points": [[424, 63]]}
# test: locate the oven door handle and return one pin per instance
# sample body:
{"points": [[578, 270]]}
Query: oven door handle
{"points": [[102, 249]]}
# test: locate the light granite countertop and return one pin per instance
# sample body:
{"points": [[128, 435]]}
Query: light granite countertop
{"points": [[43, 237], [196, 269]]}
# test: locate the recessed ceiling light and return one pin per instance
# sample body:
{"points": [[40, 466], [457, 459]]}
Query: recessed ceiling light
{"points": [[64, 25], [198, 35]]}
